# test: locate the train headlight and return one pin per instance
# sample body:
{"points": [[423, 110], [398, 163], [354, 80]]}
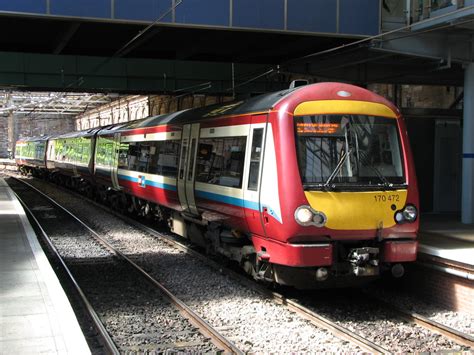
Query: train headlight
{"points": [[306, 216], [410, 213], [319, 219], [399, 217]]}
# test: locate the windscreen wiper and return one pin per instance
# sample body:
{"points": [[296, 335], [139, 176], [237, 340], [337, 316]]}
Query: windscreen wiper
{"points": [[338, 167], [385, 181]]}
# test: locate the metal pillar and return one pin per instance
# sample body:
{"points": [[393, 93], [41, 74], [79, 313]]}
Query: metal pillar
{"points": [[11, 135], [468, 147]]}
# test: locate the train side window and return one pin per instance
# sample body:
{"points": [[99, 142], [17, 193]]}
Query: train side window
{"points": [[162, 157], [86, 150], [39, 150], [107, 154], [104, 152], [139, 156], [77, 151], [191, 158], [168, 158], [220, 161], [255, 158], [123, 155]]}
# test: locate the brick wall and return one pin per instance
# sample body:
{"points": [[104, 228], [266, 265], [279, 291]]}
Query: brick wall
{"points": [[132, 108], [3, 137], [417, 96], [26, 127], [448, 291]]}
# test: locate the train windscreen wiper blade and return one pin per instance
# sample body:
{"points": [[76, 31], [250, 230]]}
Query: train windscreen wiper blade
{"points": [[338, 167], [385, 181]]}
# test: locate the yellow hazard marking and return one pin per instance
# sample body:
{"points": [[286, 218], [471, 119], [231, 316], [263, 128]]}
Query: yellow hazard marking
{"points": [[358, 210], [343, 107]]}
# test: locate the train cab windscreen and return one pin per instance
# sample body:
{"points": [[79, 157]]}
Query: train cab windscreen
{"points": [[337, 151]]}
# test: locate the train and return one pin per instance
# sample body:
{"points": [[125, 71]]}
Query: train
{"points": [[309, 187]]}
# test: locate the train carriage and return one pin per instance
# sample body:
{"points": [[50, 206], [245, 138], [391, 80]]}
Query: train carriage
{"points": [[309, 187], [70, 158], [30, 155], [298, 185]]}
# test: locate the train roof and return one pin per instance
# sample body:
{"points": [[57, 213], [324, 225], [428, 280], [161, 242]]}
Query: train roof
{"points": [[34, 139], [261, 103], [258, 104], [85, 133]]}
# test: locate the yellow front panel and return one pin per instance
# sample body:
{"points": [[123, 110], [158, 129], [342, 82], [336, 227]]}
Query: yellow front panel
{"points": [[343, 107], [358, 210]]}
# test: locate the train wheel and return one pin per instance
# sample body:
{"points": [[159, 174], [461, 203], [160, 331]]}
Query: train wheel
{"points": [[119, 202]]}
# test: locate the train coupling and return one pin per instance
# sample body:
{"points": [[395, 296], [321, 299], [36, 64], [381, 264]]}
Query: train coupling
{"points": [[364, 261]]}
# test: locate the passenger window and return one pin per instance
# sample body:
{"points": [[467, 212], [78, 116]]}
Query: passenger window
{"points": [[220, 161], [104, 152], [164, 157], [123, 156], [191, 158], [255, 157], [182, 163], [159, 158], [139, 154]]}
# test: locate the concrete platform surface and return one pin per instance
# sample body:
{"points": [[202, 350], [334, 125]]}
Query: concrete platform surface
{"points": [[444, 236], [35, 314]]}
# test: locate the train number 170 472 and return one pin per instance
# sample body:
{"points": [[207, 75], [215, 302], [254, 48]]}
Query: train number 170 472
{"points": [[385, 198]]}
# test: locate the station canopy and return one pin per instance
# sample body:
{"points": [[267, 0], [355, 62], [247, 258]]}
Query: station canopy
{"points": [[50, 104]]}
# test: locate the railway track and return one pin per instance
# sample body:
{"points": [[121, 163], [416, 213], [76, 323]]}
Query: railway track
{"points": [[416, 318], [36, 209], [317, 319], [300, 309], [295, 307], [103, 336]]}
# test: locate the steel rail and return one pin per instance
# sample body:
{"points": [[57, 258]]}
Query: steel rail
{"points": [[413, 317], [204, 327], [313, 317], [299, 309], [107, 340], [453, 334]]}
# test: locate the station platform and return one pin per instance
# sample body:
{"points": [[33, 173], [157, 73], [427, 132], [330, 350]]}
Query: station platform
{"points": [[35, 314], [8, 164], [445, 237]]}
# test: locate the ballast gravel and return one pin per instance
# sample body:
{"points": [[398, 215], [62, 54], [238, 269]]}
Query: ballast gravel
{"points": [[252, 322], [137, 316], [378, 324], [461, 321]]}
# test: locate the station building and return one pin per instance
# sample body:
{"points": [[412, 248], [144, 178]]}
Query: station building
{"points": [[176, 54]]}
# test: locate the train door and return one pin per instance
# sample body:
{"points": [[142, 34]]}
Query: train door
{"points": [[187, 164], [252, 186], [50, 155], [114, 151]]}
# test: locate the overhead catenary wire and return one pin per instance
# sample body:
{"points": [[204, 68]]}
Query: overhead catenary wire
{"points": [[401, 29], [273, 69], [368, 40], [150, 26], [128, 44], [276, 69]]}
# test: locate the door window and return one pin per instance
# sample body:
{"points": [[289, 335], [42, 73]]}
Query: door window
{"points": [[255, 157]]}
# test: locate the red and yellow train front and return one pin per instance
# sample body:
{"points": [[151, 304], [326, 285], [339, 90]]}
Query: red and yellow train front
{"points": [[347, 186]]}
